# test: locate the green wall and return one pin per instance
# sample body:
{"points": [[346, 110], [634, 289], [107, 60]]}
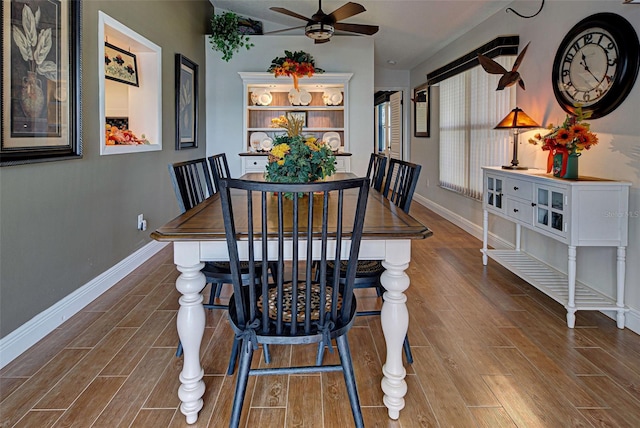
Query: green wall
{"points": [[64, 223]]}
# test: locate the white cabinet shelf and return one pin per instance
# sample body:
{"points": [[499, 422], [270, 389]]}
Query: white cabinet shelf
{"points": [[320, 118], [297, 108], [584, 212], [550, 281]]}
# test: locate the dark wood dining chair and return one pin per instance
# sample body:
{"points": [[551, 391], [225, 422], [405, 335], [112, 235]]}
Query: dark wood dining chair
{"points": [[376, 170], [401, 181], [300, 311], [193, 183], [220, 170], [400, 184]]}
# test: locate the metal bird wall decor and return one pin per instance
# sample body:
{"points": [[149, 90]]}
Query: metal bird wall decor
{"points": [[508, 78]]}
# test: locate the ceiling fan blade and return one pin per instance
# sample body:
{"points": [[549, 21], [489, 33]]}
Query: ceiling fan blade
{"points": [[283, 30], [290, 13], [347, 10], [317, 42], [357, 28]]}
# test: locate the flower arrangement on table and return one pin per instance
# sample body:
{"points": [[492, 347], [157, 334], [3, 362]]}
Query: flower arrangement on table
{"points": [[295, 158], [568, 139], [294, 64]]}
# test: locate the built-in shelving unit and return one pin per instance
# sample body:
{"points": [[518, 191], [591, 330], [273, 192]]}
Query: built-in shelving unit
{"points": [[320, 118]]}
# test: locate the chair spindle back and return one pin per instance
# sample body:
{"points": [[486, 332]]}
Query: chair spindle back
{"points": [[402, 178], [309, 227], [192, 182], [375, 172]]}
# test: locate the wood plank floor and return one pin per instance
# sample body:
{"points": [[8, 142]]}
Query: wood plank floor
{"points": [[490, 351]]}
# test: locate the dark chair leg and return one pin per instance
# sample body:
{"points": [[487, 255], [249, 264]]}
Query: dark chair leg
{"points": [[407, 350], [320, 354], [265, 352], [179, 350], [234, 356], [241, 385], [217, 293], [350, 380]]}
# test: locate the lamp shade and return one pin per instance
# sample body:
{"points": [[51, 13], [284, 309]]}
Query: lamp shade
{"points": [[517, 119]]}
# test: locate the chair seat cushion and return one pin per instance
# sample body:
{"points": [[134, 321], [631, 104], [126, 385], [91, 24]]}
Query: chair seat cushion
{"points": [[287, 313], [364, 268]]}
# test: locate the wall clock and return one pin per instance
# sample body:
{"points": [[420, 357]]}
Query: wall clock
{"points": [[596, 64]]}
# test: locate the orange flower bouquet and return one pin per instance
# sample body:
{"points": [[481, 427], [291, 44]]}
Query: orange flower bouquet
{"points": [[568, 139], [295, 64]]}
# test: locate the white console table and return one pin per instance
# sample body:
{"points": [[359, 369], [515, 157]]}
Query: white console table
{"points": [[579, 213]]}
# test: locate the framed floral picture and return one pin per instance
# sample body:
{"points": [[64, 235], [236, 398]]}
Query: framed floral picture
{"points": [[186, 103], [41, 81], [120, 65]]}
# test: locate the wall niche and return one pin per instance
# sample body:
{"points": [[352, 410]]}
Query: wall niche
{"points": [[130, 89]]}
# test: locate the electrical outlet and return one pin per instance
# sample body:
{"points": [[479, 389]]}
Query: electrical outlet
{"points": [[141, 222]]}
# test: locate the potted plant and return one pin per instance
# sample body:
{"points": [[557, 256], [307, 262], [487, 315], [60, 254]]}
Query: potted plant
{"points": [[226, 37]]}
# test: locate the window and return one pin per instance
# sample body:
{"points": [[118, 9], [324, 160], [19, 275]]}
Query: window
{"points": [[383, 126], [470, 107]]}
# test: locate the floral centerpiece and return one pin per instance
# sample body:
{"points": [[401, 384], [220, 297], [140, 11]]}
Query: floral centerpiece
{"points": [[294, 64], [295, 158], [566, 142]]}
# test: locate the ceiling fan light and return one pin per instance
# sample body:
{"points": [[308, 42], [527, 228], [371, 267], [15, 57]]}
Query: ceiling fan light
{"points": [[319, 31]]}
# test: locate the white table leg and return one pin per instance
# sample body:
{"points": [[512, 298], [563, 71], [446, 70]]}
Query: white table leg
{"points": [[395, 322], [191, 322]]}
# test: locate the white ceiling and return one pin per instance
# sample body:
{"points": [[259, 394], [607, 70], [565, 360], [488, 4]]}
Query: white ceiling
{"points": [[410, 31]]}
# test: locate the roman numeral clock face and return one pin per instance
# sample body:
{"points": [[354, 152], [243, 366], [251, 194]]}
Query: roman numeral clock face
{"points": [[596, 64]]}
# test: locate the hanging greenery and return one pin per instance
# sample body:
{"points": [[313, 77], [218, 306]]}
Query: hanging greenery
{"points": [[226, 37]]}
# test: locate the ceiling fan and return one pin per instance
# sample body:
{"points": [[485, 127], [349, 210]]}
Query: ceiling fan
{"points": [[321, 26]]}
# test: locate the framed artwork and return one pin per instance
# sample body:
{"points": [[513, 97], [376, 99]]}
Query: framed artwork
{"points": [[186, 103], [41, 81], [120, 65], [421, 119], [299, 115]]}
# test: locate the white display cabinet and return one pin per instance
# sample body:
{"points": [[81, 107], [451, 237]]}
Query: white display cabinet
{"points": [[587, 212], [320, 118]]}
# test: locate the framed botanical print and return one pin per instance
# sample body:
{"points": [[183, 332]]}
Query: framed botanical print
{"points": [[41, 81], [186, 103], [300, 116]]}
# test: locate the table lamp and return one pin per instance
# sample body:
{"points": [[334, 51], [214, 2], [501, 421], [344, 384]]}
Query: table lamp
{"points": [[516, 120]]}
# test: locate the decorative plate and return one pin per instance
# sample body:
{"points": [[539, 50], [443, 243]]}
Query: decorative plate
{"points": [[256, 139], [265, 99], [336, 98], [305, 97], [266, 144], [294, 97]]}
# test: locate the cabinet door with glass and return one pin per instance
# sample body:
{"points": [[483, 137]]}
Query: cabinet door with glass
{"points": [[493, 196], [550, 206]]}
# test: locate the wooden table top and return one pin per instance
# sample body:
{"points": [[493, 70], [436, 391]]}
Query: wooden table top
{"points": [[383, 220]]}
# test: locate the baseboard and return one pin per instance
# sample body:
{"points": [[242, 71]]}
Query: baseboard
{"points": [[25, 336], [471, 228], [632, 318]]}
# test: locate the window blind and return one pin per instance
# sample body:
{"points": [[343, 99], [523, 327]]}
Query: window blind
{"points": [[470, 107]]}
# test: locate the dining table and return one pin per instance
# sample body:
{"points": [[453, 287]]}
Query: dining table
{"points": [[198, 236]]}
